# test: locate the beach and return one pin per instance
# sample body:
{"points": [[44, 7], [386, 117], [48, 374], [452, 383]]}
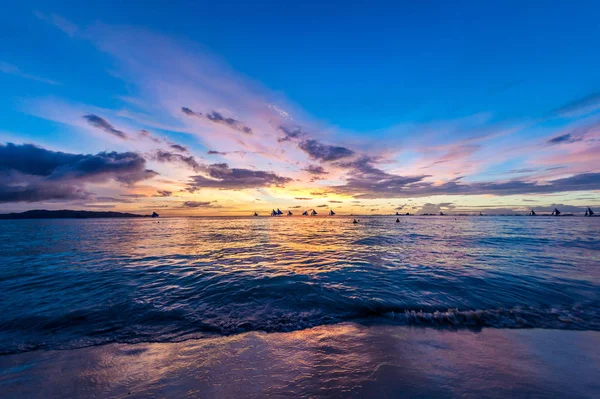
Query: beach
{"points": [[347, 360]]}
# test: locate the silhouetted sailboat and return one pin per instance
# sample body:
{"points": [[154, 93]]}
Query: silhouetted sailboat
{"points": [[442, 214], [313, 213], [397, 214], [532, 213], [397, 220], [331, 213], [589, 212], [480, 214], [555, 212], [305, 213], [279, 211], [355, 221], [289, 213], [274, 213], [154, 214], [255, 214]]}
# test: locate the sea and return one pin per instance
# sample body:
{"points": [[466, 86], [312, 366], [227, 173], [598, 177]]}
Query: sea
{"points": [[75, 283]]}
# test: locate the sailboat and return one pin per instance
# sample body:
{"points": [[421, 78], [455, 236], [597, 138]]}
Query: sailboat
{"points": [[279, 212], [589, 212], [289, 213], [555, 212], [442, 214], [274, 213], [532, 213], [480, 214], [255, 214], [331, 213], [397, 220], [397, 214], [313, 213], [305, 213]]}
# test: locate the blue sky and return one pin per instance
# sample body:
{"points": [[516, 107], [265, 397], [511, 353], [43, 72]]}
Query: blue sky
{"points": [[422, 92]]}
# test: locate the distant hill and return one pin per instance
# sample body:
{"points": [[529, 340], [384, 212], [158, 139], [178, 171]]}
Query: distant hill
{"points": [[68, 214]]}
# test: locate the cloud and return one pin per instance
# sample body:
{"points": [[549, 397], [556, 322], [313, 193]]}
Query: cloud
{"points": [[167, 156], [335, 202], [323, 206], [104, 125], [580, 106], [147, 135], [59, 22], [30, 174], [323, 152], [289, 134], [315, 170], [221, 176], [134, 195], [217, 117], [178, 147], [564, 138], [223, 153], [199, 204], [163, 193], [13, 70], [303, 198], [367, 181]]}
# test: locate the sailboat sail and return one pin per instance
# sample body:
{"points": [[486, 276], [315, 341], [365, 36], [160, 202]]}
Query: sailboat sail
{"points": [[279, 211], [313, 213], [274, 213], [289, 213], [305, 213], [589, 212], [331, 213], [556, 212], [255, 214], [532, 213]]}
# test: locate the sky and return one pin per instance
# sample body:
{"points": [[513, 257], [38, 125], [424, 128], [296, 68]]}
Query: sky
{"points": [[230, 108]]}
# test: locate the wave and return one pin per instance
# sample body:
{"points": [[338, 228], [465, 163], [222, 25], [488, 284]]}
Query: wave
{"points": [[177, 326]]}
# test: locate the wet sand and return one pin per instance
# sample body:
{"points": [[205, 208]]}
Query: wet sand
{"points": [[344, 360]]}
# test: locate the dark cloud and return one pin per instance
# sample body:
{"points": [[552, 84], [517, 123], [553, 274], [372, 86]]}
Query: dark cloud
{"points": [[316, 170], [217, 117], [336, 202], [163, 193], [134, 195], [302, 198], [366, 181], [220, 175], [222, 153], [323, 152], [178, 147], [296, 207], [147, 135], [112, 199], [199, 204], [323, 206], [167, 156], [30, 174], [104, 125], [562, 139], [289, 134]]}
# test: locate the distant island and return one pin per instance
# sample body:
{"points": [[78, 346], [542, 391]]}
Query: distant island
{"points": [[69, 214]]}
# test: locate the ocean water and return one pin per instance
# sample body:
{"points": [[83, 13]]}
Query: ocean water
{"points": [[77, 283]]}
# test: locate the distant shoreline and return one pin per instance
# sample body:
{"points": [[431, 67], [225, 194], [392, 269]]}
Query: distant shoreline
{"points": [[69, 214]]}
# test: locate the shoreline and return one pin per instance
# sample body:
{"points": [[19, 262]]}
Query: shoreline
{"points": [[345, 359]]}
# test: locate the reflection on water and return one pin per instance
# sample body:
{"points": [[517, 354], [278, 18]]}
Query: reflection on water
{"points": [[344, 360], [72, 283]]}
